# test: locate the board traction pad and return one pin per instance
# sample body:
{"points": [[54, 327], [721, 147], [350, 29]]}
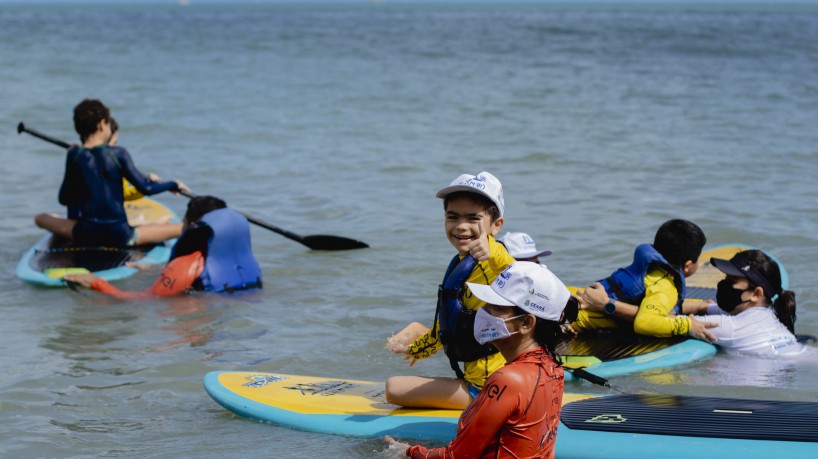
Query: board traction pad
{"points": [[696, 417], [60, 254]]}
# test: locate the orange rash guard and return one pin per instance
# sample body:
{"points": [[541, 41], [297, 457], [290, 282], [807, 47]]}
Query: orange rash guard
{"points": [[516, 415], [176, 278]]}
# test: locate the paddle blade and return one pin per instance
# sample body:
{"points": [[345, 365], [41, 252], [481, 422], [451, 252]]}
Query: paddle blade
{"points": [[324, 242]]}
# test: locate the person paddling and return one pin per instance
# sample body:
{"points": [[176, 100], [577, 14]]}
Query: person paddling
{"points": [[213, 254], [518, 411], [92, 188]]}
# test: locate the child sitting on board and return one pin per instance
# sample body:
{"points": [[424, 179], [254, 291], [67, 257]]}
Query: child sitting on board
{"points": [[655, 281], [473, 206], [519, 245]]}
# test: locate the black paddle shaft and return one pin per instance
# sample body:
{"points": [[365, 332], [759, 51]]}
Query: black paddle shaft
{"points": [[314, 242], [22, 128]]}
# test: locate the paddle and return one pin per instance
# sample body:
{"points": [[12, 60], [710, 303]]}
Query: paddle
{"points": [[22, 128], [314, 242], [588, 376]]}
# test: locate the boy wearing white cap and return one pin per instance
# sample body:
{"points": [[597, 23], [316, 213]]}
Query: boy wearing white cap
{"points": [[474, 209], [517, 413], [522, 247]]}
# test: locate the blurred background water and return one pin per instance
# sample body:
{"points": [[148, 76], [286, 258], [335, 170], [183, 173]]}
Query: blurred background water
{"points": [[602, 122]]}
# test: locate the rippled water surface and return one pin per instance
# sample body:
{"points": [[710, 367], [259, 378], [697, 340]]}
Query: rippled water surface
{"points": [[601, 122]]}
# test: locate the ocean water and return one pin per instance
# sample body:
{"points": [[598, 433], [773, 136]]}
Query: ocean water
{"points": [[601, 121]]}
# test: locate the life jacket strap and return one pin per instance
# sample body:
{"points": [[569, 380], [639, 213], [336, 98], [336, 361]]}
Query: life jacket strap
{"points": [[456, 367], [248, 286]]}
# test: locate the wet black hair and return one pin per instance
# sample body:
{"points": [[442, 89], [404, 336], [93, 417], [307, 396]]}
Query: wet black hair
{"points": [[679, 241], [547, 333], [784, 305], [200, 205], [87, 115], [488, 205]]}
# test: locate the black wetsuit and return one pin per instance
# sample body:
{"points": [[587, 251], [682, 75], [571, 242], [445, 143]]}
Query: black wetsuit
{"points": [[93, 188]]}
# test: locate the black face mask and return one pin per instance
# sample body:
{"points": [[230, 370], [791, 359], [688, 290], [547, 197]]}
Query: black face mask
{"points": [[727, 297]]}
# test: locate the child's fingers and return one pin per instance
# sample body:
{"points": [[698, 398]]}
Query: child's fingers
{"points": [[479, 248], [595, 286], [480, 253]]}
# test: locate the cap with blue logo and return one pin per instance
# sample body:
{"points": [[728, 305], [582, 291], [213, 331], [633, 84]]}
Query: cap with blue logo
{"points": [[530, 286], [521, 245], [483, 183]]}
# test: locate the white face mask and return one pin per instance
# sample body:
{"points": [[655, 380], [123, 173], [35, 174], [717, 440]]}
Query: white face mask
{"points": [[488, 328]]}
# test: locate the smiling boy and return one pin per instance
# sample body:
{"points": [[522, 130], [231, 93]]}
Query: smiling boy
{"points": [[474, 207]]}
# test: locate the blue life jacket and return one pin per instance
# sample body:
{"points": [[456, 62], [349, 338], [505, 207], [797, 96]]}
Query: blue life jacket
{"points": [[628, 284], [457, 320], [229, 264]]}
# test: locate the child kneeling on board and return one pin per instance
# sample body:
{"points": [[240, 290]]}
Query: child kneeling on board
{"points": [[214, 254]]}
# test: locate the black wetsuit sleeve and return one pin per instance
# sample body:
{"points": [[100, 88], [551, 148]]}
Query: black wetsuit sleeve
{"points": [[72, 191], [138, 179]]}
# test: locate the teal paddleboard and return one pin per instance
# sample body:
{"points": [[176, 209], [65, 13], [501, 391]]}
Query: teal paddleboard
{"points": [[52, 257], [592, 427]]}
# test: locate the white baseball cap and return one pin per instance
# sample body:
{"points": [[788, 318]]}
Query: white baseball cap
{"points": [[520, 245], [483, 183], [529, 286]]}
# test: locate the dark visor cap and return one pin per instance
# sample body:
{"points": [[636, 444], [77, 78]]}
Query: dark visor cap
{"points": [[739, 267]]}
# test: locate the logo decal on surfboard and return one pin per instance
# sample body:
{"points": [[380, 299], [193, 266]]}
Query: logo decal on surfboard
{"points": [[257, 381], [608, 419], [326, 389]]}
